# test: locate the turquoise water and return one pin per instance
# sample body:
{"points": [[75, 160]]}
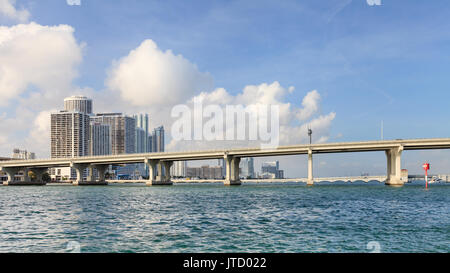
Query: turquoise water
{"points": [[214, 218]]}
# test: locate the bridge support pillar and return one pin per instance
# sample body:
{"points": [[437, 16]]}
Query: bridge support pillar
{"points": [[155, 171], [394, 169], [26, 175], [90, 176], [39, 172], [310, 180], [91, 179], [11, 172], [232, 171], [101, 171], [79, 168], [167, 177]]}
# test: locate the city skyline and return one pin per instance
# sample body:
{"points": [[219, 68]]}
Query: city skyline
{"points": [[397, 67]]}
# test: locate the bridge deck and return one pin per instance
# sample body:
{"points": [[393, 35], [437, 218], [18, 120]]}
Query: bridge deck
{"points": [[368, 146]]}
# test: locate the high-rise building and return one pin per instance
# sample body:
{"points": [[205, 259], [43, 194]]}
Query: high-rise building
{"points": [[23, 154], [122, 131], [247, 168], [179, 169], [142, 123], [271, 170], [141, 147], [150, 143], [251, 167], [78, 104], [221, 163], [141, 141], [69, 134], [158, 139], [123, 138], [100, 139]]}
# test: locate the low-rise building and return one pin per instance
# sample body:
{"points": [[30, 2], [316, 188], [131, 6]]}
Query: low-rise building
{"points": [[204, 172], [271, 170]]}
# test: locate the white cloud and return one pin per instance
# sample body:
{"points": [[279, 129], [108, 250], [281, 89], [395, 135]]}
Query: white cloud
{"points": [[269, 94], [37, 66], [3, 140], [150, 80], [41, 57], [39, 63], [73, 2], [7, 8], [39, 136], [320, 126], [310, 105], [12, 128], [150, 77]]}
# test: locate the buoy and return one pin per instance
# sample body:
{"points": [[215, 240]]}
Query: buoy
{"points": [[426, 167]]}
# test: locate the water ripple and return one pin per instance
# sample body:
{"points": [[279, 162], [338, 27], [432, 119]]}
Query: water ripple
{"points": [[214, 218]]}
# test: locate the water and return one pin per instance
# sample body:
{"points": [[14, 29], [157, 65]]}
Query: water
{"points": [[214, 218]]}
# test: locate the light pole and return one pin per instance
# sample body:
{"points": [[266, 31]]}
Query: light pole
{"points": [[310, 180], [310, 135]]}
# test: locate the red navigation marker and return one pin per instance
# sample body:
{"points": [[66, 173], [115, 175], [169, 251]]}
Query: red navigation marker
{"points": [[426, 167]]}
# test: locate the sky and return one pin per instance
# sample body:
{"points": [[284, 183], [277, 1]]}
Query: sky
{"points": [[343, 66]]}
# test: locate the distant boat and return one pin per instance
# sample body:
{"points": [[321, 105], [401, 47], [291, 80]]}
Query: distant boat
{"points": [[435, 179]]}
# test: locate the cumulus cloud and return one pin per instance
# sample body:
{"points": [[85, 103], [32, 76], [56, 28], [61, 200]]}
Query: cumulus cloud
{"points": [[39, 63], [266, 94], [149, 76], [8, 9], [310, 105], [13, 126], [150, 80], [39, 136], [37, 66], [293, 121], [42, 57]]}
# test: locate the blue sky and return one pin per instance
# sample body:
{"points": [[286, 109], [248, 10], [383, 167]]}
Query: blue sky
{"points": [[369, 63]]}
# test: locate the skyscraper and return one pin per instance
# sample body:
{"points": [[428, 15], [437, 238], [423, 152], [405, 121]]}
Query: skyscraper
{"points": [[142, 123], [150, 143], [69, 134], [123, 138], [141, 141], [271, 170], [179, 169], [141, 147], [99, 140], [247, 167], [123, 131], [251, 167], [158, 139], [78, 104], [221, 163]]}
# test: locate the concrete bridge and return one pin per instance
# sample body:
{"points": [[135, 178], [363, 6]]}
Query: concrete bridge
{"points": [[158, 162], [283, 180]]}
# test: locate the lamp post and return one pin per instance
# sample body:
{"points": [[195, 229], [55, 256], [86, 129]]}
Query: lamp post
{"points": [[310, 135]]}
